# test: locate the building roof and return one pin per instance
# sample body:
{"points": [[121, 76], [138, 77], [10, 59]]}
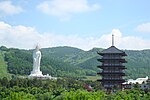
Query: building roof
{"points": [[112, 49], [138, 80]]}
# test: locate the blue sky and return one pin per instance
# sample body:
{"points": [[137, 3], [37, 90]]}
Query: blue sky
{"points": [[79, 23]]}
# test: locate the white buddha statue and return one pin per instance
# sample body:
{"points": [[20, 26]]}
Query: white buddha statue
{"points": [[36, 62]]}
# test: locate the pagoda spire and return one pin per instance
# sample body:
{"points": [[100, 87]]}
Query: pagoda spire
{"points": [[112, 39]]}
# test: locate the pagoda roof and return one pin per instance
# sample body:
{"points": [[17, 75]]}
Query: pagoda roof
{"points": [[111, 50]]}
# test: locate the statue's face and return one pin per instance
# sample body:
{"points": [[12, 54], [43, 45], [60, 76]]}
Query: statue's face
{"points": [[37, 48]]}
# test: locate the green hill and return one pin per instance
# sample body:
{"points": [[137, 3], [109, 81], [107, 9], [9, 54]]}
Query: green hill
{"points": [[69, 62], [3, 66]]}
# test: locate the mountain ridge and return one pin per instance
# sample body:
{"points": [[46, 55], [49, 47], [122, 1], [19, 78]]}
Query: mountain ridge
{"points": [[70, 61]]}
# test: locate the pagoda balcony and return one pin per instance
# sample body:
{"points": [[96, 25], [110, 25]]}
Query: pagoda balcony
{"points": [[112, 73]]}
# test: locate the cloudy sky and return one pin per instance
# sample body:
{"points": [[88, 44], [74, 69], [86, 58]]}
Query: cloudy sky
{"points": [[84, 24]]}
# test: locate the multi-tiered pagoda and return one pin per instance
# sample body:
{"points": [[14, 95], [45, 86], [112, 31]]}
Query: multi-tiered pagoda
{"points": [[112, 67]]}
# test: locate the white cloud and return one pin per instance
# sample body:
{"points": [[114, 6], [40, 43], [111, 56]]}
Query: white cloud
{"points": [[144, 28], [63, 8], [7, 8], [27, 37], [125, 42]]}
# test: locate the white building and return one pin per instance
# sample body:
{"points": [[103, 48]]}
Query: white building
{"points": [[141, 82], [138, 80]]}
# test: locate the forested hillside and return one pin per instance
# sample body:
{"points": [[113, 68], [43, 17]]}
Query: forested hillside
{"points": [[69, 62], [3, 66]]}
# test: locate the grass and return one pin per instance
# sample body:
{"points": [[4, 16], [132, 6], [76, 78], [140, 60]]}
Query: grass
{"points": [[92, 78], [3, 67]]}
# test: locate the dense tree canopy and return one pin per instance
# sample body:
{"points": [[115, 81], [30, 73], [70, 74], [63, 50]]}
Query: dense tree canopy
{"points": [[62, 89]]}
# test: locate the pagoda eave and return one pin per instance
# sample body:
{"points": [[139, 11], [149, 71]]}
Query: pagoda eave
{"points": [[120, 67]]}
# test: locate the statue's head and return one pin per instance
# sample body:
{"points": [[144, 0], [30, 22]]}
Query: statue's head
{"points": [[37, 47]]}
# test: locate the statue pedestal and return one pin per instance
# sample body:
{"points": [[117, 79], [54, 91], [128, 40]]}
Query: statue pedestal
{"points": [[36, 73]]}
